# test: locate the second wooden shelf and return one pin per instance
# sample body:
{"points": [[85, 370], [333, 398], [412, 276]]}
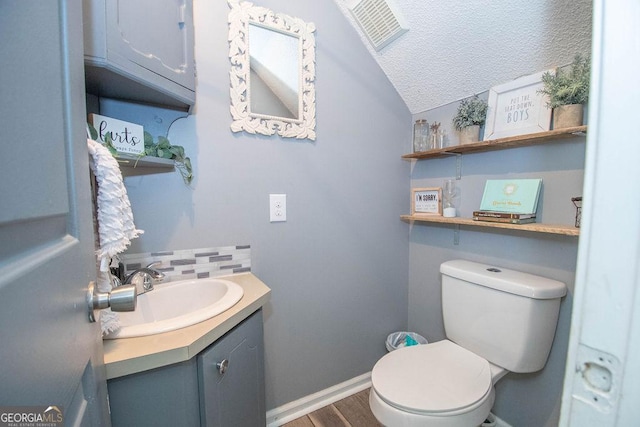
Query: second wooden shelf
{"points": [[565, 230]]}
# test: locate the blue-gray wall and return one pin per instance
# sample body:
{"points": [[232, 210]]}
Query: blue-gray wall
{"points": [[338, 267]]}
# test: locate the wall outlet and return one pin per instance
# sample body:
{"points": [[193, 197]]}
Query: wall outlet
{"points": [[277, 207]]}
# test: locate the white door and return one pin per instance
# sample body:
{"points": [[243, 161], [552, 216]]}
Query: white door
{"points": [[602, 380], [50, 355]]}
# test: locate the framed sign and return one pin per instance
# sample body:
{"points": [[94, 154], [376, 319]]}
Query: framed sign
{"points": [[127, 138], [426, 201], [516, 108]]}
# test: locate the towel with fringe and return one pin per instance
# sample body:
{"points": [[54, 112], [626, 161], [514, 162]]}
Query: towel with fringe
{"points": [[115, 220]]}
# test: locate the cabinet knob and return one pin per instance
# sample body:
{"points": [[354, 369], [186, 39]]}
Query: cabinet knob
{"points": [[222, 366]]}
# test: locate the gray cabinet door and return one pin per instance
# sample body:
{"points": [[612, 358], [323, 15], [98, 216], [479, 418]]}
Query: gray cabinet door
{"points": [[50, 355], [235, 397], [155, 34], [161, 397], [133, 45]]}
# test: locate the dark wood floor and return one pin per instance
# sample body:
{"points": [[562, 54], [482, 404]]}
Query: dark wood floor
{"points": [[352, 411]]}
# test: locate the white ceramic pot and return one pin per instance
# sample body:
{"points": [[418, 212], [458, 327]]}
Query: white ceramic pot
{"points": [[567, 116], [470, 134]]}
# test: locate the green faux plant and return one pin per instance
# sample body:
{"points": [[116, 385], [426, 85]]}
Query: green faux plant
{"points": [[163, 149], [93, 133], [471, 111], [567, 87]]}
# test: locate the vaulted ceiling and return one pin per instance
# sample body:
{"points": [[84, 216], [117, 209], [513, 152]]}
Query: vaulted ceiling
{"points": [[454, 49]]}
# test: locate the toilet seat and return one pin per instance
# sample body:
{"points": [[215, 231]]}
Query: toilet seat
{"points": [[439, 379]]}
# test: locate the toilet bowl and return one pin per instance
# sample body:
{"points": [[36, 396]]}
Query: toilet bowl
{"points": [[496, 321], [439, 384]]}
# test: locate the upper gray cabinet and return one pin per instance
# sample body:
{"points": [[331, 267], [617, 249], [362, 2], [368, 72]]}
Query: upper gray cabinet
{"points": [[140, 51]]}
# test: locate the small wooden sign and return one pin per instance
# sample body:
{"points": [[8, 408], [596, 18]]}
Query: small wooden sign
{"points": [[126, 137], [426, 201]]}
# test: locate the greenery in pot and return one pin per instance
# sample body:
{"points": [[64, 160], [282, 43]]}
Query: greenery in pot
{"points": [[568, 87], [471, 111], [163, 149]]}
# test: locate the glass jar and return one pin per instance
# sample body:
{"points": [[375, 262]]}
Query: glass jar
{"points": [[435, 138], [420, 136], [441, 140], [450, 198]]}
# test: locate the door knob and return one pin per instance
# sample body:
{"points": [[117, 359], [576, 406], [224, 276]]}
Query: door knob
{"points": [[122, 298]]}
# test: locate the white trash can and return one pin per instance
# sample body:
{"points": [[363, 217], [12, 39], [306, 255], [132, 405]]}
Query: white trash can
{"points": [[398, 340]]}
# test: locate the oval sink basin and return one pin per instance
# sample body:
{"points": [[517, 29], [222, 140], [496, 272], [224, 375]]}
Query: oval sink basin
{"points": [[174, 305]]}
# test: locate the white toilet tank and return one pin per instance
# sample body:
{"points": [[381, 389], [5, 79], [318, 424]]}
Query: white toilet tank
{"points": [[505, 316]]}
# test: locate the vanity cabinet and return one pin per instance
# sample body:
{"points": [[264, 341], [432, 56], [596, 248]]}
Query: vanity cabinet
{"points": [[141, 51], [195, 392]]}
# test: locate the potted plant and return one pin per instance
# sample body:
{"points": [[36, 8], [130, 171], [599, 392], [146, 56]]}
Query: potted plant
{"points": [[471, 114], [568, 92]]}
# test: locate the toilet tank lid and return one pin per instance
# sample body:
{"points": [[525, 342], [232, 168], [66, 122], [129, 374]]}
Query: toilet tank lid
{"points": [[503, 279]]}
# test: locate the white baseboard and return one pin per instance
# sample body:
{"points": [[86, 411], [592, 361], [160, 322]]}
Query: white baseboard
{"points": [[501, 423], [303, 406]]}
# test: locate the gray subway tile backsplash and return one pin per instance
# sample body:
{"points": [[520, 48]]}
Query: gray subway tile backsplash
{"points": [[193, 263]]}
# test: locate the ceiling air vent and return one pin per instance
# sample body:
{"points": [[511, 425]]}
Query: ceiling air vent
{"points": [[380, 21]]}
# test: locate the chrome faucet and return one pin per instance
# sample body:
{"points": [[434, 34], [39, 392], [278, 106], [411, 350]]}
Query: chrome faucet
{"points": [[144, 278]]}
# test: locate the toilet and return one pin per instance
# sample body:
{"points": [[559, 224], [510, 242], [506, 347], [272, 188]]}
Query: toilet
{"points": [[496, 321]]}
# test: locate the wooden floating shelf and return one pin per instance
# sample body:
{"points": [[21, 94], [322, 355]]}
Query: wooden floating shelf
{"points": [[501, 143], [565, 230]]}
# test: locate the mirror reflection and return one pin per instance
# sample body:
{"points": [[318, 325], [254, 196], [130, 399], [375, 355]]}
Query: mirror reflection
{"points": [[274, 73]]}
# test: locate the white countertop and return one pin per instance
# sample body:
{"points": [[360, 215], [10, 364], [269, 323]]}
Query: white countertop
{"points": [[126, 356]]}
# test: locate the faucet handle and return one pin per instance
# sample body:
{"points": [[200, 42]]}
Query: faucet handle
{"points": [[156, 275], [142, 280]]}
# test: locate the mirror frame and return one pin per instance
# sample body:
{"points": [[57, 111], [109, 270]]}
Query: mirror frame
{"points": [[240, 15]]}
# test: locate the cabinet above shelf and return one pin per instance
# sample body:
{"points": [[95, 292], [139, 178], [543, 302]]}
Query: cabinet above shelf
{"points": [[502, 143], [565, 230], [125, 60]]}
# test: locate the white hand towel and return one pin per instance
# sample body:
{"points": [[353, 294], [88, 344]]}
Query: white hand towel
{"points": [[115, 219]]}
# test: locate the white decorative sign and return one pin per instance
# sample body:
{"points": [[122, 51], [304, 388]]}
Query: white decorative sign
{"points": [[127, 138], [516, 108], [427, 201]]}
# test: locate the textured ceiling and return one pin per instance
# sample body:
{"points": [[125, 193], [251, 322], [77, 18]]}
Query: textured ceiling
{"points": [[454, 49]]}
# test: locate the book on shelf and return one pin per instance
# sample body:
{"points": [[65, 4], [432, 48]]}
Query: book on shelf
{"points": [[511, 195], [506, 215], [505, 220]]}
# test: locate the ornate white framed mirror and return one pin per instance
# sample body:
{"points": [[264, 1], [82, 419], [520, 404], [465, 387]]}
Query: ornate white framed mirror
{"points": [[272, 72]]}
